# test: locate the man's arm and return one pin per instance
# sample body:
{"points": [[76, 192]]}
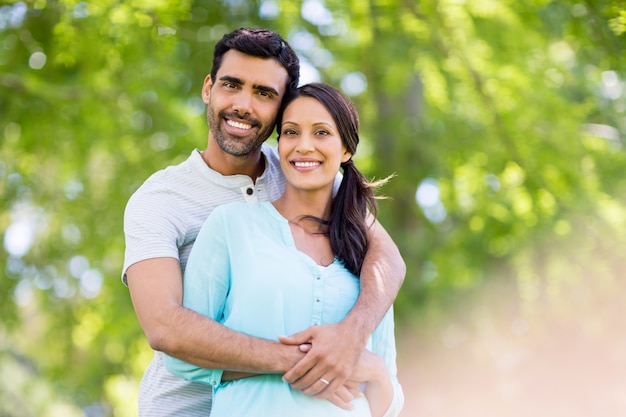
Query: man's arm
{"points": [[336, 348], [382, 276], [156, 290]]}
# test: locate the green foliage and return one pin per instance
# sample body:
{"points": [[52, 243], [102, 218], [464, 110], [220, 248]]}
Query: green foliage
{"points": [[512, 111]]}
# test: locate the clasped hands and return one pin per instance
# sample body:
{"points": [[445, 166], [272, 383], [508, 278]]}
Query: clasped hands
{"points": [[330, 364], [329, 369]]}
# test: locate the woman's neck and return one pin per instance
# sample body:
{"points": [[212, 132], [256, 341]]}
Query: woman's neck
{"points": [[309, 234], [294, 205]]}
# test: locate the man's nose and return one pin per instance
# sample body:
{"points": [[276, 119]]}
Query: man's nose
{"points": [[242, 103]]}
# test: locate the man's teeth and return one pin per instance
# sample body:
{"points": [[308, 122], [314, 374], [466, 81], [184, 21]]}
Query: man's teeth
{"points": [[306, 164], [238, 125]]}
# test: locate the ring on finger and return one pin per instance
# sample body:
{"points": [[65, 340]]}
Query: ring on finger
{"points": [[324, 381]]}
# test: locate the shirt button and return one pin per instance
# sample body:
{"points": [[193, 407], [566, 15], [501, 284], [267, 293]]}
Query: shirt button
{"points": [[249, 191]]}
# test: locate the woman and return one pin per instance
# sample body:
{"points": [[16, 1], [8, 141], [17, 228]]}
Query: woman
{"points": [[271, 269]]}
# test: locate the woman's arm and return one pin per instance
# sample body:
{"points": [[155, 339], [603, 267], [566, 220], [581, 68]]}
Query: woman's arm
{"points": [[379, 389], [378, 370]]}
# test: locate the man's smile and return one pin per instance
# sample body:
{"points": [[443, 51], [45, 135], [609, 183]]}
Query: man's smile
{"points": [[238, 125]]}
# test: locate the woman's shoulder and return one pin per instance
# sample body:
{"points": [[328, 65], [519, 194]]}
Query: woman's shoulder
{"points": [[235, 217], [243, 219], [240, 209]]}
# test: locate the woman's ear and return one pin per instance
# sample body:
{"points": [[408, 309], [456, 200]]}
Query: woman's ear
{"points": [[346, 156]]}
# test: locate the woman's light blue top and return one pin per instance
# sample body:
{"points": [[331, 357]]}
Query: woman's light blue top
{"points": [[245, 272]]}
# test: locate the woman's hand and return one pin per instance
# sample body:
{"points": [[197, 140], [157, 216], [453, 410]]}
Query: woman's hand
{"points": [[372, 372]]}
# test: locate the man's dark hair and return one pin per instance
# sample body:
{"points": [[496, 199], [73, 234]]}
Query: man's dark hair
{"points": [[261, 43]]}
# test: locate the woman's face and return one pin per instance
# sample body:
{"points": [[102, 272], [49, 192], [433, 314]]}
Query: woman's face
{"points": [[310, 146]]}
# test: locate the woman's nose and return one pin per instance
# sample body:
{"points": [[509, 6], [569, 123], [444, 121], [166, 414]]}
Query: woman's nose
{"points": [[305, 144]]}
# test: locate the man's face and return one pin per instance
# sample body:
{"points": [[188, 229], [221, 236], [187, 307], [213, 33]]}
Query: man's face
{"points": [[243, 101]]}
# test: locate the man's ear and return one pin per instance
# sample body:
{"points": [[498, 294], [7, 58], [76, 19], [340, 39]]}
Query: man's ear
{"points": [[206, 89]]}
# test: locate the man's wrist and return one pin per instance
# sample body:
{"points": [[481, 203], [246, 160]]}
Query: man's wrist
{"points": [[358, 326], [288, 357], [234, 375]]}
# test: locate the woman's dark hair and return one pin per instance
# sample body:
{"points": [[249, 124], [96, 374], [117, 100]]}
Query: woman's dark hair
{"points": [[347, 226], [260, 43]]}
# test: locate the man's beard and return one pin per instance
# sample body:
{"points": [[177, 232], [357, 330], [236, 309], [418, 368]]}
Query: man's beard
{"points": [[236, 146]]}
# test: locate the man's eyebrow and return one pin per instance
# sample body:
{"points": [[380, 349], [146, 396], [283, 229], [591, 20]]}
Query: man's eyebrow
{"points": [[239, 81], [266, 89], [234, 80]]}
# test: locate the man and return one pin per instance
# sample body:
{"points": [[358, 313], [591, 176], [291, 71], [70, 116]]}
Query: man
{"points": [[252, 70]]}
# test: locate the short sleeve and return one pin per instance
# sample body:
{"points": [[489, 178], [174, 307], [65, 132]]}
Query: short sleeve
{"points": [[153, 228]]}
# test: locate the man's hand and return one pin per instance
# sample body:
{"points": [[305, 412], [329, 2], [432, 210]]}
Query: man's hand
{"points": [[334, 352]]}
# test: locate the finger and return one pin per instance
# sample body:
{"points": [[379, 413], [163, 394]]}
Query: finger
{"points": [[305, 347], [329, 390], [309, 379], [353, 389], [305, 375], [317, 388], [341, 402], [299, 338], [300, 376], [344, 393]]}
